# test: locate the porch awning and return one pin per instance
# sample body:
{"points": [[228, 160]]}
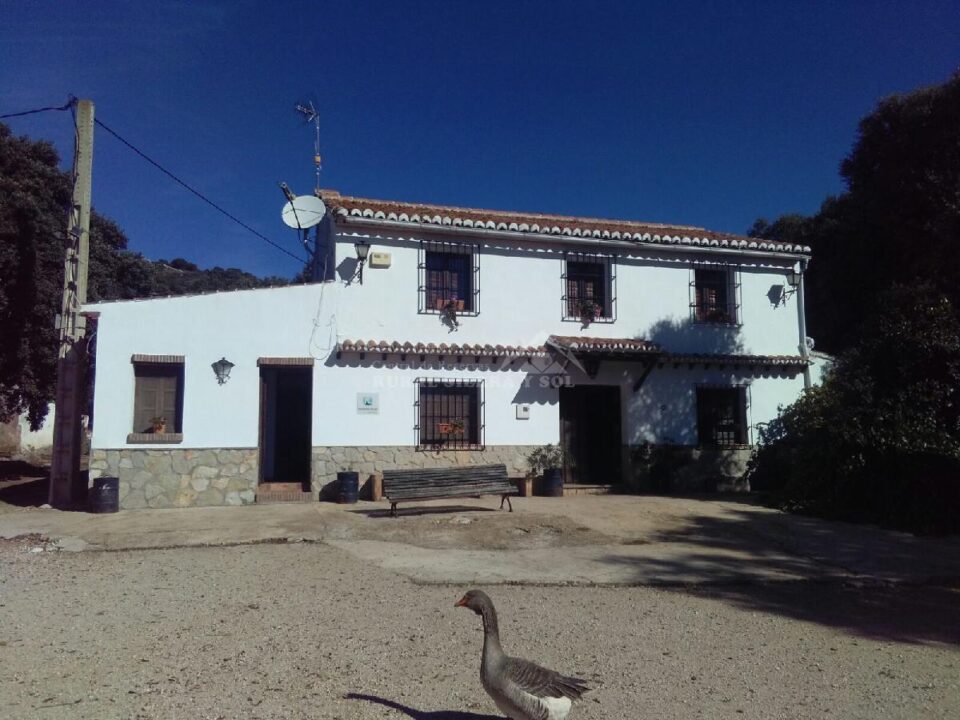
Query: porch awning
{"points": [[781, 362], [394, 347], [605, 348]]}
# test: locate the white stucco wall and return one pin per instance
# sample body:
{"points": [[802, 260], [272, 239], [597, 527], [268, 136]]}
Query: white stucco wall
{"points": [[520, 300], [520, 303]]}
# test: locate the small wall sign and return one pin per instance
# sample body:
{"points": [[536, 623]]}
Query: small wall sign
{"points": [[368, 404]]}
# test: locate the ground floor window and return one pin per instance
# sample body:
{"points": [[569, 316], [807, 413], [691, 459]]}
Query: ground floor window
{"points": [[158, 395], [722, 416], [450, 414]]}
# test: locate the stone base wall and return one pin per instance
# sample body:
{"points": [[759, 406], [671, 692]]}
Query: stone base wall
{"points": [[328, 461], [160, 478], [686, 468], [179, 478]]}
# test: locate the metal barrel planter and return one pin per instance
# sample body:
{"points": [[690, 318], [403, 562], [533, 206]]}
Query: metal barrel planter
{"points": [[348, 487], [105, 495], [553, 482]]}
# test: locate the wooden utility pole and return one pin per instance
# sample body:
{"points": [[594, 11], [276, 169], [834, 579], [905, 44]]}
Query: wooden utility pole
{"points": [[66, 485]]}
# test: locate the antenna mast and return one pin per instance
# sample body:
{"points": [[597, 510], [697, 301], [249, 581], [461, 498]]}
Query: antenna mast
{"points": [[310, 114]]}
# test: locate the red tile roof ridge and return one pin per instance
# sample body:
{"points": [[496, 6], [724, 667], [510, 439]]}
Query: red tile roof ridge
{"points": [[334, 198]]}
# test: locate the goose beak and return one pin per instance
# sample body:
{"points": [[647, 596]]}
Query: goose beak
{"points": [[462, 602]]}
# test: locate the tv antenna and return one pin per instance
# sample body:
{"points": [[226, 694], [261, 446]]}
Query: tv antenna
{"points": [[310, 115]]}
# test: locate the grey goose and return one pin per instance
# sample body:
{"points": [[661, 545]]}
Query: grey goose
{"points": [[522, 690]]}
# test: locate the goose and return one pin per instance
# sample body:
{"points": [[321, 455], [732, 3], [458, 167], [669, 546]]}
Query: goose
{"points": [[522, 690]]}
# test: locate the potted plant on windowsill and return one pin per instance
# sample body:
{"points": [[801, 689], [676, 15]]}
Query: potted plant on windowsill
{"points": [[158, 425], [715, 315], [450, 304], [449, 307], [547, 462], [589, 310], [452, 427]]}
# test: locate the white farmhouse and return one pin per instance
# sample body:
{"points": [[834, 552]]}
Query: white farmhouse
{"points": [[467, 336]]}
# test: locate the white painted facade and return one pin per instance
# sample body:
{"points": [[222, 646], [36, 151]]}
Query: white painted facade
{"points": [[519, 304]]}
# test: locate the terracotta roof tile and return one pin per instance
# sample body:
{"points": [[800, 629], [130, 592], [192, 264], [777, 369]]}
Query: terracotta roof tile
{"points": [[387, 346], [368, 209], [627, 346]]}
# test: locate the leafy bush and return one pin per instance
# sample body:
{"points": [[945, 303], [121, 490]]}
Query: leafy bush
{"points": [[879, 441], [544, 458]]}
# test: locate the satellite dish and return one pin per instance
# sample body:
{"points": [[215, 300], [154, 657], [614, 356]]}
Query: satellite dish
{"points": [[304, 211]]}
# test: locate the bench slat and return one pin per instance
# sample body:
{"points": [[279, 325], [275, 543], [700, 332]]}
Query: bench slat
{"points": [[432, 483]]}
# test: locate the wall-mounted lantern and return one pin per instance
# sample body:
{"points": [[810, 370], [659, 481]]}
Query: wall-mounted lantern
{"points": [[363, 249], [793, 279], [221, 369]]}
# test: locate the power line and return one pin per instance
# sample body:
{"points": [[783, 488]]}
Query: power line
{"points": [[70, 103], [199, 194]]}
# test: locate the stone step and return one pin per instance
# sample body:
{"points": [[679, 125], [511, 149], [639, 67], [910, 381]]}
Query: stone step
{"points": [[570, 489], [283, 493]]}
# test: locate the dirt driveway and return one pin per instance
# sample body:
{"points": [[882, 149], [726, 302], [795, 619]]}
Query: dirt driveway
{"points": [[673, 608], [305, 630]]}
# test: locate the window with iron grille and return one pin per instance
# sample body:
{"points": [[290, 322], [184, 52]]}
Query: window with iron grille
{"points": [[589, 283], [450, 414], [449, 278], [158, 398], [715, 293], [722, 416]]}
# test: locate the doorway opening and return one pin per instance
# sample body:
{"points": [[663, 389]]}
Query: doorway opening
{"points": [[590, 434], [286, 414]]}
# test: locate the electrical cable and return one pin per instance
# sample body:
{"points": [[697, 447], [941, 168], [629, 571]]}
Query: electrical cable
{"points": [[70, 103], [196, 192]]}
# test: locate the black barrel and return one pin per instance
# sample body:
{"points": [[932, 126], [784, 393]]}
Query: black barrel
{"points": [[553, 482], [348, 487], [105, 495]]}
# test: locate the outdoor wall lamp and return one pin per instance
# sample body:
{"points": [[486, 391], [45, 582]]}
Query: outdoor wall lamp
{"points": [[794, 278], [363, 249], [221, 369]]}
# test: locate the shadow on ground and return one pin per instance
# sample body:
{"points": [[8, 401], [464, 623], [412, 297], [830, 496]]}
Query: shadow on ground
{"points": [[855, 578], [428, 510], [422, 714], [23, 484], [905, 614]]}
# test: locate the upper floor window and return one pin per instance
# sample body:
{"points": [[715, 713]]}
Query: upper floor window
{"points": [[722, 416], [449, 278], [588, 288], [450, 414], [157, 399], [715, 293]]}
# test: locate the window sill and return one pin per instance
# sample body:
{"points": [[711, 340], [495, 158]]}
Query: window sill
{"points": [[718, 323], [438, 448], [458, 313], [591, 321], [154, 438]]}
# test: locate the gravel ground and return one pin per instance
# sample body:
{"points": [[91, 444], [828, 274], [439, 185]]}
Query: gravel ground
{"points": [[305, 631]]}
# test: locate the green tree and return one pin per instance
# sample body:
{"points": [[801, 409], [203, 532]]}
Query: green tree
{"points": [[34, 199], [879, 440], [898, 221]]}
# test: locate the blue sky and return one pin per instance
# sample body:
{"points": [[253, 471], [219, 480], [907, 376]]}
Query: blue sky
{"points": [[709, 113]]}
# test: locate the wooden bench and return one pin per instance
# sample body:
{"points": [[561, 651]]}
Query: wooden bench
{"points": [[432, 483]]}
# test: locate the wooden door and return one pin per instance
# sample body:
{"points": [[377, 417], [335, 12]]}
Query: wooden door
{"points": [[590, 433]]}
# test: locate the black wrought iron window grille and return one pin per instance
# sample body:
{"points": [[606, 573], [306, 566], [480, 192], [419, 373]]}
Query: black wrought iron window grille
{"points": [[450, 414], [722, 415], [449, 278], [715, 295], [589, 287]]}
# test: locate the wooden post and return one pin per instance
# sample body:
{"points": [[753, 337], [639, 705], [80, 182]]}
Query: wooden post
{"points": [[65, 478]]}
